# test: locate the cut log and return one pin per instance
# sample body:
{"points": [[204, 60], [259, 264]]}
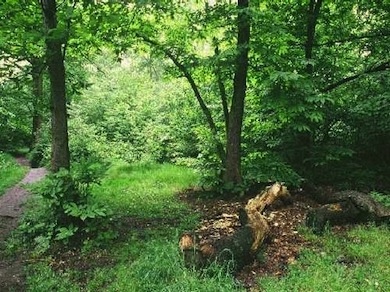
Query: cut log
{"points": [[241, 247], [347, 207]]}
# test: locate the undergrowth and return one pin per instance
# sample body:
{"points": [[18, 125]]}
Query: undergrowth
{"points": [[10, 172]]}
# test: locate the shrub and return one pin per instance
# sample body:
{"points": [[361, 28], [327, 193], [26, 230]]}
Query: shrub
{"points": [[67, 212]]}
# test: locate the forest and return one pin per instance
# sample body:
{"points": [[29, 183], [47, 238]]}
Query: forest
{"points": [[141, 139]]}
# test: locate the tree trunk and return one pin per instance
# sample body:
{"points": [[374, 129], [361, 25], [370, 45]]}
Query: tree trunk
{"points": [[56, 68], [240, 248], [313, 13], [304, 139], [232, 174]]}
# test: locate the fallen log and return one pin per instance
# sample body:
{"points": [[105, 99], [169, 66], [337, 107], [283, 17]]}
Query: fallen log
{"points": [[241, 247], [345, 208]]}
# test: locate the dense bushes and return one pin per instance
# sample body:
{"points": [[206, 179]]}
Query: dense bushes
{"points": [[125, 112], [15, 124], [65, 210], [127, 115]]}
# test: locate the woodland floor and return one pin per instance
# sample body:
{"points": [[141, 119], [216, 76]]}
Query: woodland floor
{"points": [[218, 218], [11, 208], [282, 247]]}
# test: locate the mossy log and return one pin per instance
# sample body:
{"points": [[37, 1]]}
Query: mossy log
{"points": [[240, 248], [345, 208]]}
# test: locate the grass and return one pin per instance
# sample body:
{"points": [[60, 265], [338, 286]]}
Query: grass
{"points": [[357, 261], [145, 190], [145, 259], [10, 172], [148, 259]]}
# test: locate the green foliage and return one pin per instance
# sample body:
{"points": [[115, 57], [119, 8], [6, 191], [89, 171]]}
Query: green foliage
{"points": [[10, 172], [65, 211], [382, 198], [263, 167], [14, 116], [132, 115]]}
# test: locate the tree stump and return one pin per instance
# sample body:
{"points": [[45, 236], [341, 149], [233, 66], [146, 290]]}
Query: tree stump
{"points": [[347, 207], [240, 248]]}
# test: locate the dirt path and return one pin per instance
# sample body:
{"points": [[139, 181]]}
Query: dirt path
{"points": [[11, 208]]}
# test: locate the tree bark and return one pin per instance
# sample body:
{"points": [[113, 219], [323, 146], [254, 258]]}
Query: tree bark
{"points": [[59, 126], [232, 174], [313, 13], [222, 92]]}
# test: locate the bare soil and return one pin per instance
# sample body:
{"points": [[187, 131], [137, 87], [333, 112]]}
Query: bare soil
{"points": [[11, 208]]}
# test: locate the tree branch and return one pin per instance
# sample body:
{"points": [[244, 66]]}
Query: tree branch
{"points": [[382, 67], [352, 38], [222, 92]]}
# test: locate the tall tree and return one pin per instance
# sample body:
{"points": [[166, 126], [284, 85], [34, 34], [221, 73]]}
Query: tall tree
{"points": [[232, 173], [229, 153], [55, 62]]}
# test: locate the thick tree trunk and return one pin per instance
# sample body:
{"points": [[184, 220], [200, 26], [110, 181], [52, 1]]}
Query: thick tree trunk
{"points": [[232, 174], [240, 248], [55, 62]]}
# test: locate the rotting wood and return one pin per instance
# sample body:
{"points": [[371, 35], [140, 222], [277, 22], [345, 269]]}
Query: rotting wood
{"points": [[241, 247], [347, 207]]}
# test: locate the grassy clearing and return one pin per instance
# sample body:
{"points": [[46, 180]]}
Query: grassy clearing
{"points": [[147, 258], [158, 268], [10, 172], [357, 261], [145, 190]]}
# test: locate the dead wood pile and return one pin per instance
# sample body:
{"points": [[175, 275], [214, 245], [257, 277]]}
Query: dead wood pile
{"points": [[240, 248]]}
